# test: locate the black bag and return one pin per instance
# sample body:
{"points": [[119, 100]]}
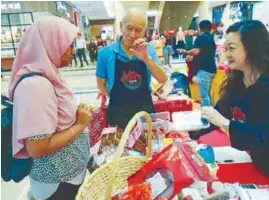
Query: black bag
{"points": [[12, 168]]}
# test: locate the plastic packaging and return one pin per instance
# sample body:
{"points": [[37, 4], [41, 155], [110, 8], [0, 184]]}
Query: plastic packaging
{"points": [[179, 164], [173, 106], [135, 192], [160, 126], [189, 121]]}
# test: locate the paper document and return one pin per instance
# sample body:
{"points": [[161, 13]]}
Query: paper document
{"points": [[228, 155], [261, 194]]}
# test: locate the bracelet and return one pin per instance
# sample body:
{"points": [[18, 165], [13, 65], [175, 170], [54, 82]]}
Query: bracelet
{"points": [[73, 131]]}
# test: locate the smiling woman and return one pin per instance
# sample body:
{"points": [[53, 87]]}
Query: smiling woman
{"points": [[243, 109]]}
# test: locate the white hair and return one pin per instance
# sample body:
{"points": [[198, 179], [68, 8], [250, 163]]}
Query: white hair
{"points": [[135, 10]]}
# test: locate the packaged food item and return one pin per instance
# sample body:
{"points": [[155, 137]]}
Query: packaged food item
{"points": [[178, 164], [148, 190], [189, 121], [111, 135], [98, 122], [135, 192], [105, 155], [180, 135], [173, 106]]}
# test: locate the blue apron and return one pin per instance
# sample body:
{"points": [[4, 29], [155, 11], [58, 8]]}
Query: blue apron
{"points": [[130, 92]]}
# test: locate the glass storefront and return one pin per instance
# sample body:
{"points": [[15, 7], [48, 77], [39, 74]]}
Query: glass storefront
{"points": [[12, 28]]}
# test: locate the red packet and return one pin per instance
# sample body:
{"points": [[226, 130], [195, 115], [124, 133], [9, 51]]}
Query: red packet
{"points": [[181, 135], [98, 122], [170, 160], [181, 161], [173, 106], [136, 192], [133, 137]]}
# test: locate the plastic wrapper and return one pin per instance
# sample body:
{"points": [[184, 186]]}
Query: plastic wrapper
{"points": [[135, 192], [189, 121], [111, 136], [173, 106], [98, 122], [148, 190], [107, 154], [179, 135], [179, 164]]}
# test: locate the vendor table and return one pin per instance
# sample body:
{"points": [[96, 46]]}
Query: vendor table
{"points": [[244, 173]]}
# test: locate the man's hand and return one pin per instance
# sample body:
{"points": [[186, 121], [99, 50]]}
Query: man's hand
{"points": [[189, 58], [140, 50], [181, 51]]}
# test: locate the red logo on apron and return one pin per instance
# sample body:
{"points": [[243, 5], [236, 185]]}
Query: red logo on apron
{"points": [[131, 80], [238, 114]]}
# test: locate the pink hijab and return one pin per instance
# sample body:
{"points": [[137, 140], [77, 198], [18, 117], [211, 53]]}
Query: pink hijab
{"points": [[40, 50]]}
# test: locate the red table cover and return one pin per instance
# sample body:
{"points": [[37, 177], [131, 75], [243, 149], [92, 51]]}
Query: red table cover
{"points": [[244, 173]]}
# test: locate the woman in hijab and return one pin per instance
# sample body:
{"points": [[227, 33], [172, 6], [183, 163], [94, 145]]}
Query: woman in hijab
{"points": [[47, 124]]}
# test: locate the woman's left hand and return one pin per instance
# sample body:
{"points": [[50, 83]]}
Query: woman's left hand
{"points": [[214, 117]]}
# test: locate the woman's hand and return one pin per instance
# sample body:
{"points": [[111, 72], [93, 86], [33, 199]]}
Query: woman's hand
{"points": [[214, 117], [84, 114]]}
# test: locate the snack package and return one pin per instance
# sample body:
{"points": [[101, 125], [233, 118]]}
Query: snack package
{"points": [[149, 190], [111, 135], [173, 106], [180, 135], [105, 155], [98, 122], [179, 164], [135, 192]]}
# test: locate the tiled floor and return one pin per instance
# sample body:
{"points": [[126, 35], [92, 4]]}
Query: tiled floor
{"points": [[83, 84]]}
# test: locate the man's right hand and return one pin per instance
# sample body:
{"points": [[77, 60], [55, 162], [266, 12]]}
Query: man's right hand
{"points": [[181, 51], [189, 58], [84, 114]]}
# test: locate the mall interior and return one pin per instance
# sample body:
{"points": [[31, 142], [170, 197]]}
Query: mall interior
{"points": [[173, 29]]}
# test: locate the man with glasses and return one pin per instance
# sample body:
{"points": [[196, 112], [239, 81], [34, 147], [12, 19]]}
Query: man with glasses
{"points": [[124, 70]]}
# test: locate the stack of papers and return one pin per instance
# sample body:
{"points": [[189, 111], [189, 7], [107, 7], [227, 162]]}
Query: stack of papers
{"points": [[228, 155]]}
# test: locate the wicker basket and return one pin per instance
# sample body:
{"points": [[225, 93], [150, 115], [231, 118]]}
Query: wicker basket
{"points": [[112, 177]]}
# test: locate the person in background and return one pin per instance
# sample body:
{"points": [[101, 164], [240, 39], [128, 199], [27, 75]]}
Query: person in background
{"points": [[47, 124], [167, 52], [243, 109], [204, 67], [124, 70], [81, 46], [100, 43], [92, 47], [74, 58]]}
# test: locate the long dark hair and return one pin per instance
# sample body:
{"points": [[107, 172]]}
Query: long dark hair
{"points": [[255, 39]]}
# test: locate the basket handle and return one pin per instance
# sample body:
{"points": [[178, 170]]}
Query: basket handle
{"points": [[126, 133]]}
